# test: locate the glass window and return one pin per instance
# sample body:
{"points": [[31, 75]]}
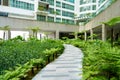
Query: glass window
{"points": [[86, 8], [41, 18], [22, 5], [94, 7], [0, 2], [68, 21], [100, 2], [58, 4], [51, 19], [51, 10], [67, 14], [94, 1], [58, 12], [58, 19], [3, 14], [71, 1], [51, 2], [67, 6]]}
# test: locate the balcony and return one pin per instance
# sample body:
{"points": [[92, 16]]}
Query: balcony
{"points": [[43, 7]]}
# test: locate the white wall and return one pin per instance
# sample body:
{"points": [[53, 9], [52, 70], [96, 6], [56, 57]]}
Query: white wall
{"points": [[24, 34], [1, 34]]}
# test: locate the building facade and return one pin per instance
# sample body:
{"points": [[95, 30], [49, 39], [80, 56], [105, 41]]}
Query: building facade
{"points": [[42, 10], [61, 11]]}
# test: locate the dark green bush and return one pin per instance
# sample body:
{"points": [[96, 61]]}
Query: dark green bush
{"points": [[13, 52]]}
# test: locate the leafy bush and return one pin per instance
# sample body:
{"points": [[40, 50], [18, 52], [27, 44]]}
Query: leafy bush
{"points": [[14, 52], [101, 61]]}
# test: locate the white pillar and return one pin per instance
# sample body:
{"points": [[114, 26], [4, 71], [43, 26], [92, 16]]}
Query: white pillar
{"points": [[46, 18], [104, 32], [91, 34], [7, 34], [30, 33], [85, 35], [76, 35], [57, 34]]}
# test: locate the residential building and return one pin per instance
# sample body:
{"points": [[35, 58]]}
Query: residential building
{"points": [[61, 11], [91, 8], [43, 10]]}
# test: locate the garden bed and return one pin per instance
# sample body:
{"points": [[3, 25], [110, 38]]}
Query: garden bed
{"points": [[21, 60]]}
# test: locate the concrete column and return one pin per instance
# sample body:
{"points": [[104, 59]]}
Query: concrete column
{"points": [[85, 35], [30, 33], [104, 32], [91, 34], [76, 35], [46, 18], [57, 34], [35, 34], [7, 34], [75, 21]]}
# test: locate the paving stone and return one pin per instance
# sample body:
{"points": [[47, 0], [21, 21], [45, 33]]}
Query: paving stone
{"points": [[68, 66]]}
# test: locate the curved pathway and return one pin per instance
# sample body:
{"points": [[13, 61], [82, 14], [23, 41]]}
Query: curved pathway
{"points": [[68, 66]]}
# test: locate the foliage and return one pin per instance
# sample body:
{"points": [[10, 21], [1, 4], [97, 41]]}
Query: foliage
{"points": [[21, 70], [101, 61], [14, 52], [5, 28], [18, 38], [113, 21]]}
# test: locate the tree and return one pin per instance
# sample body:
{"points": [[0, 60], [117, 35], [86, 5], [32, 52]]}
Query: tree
{"points": [[34, 31]]}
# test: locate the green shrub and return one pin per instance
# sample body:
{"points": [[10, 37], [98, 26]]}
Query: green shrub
{"points": [[13, 52], [101, 61]]}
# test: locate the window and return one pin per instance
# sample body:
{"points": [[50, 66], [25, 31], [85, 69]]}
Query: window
{"points": [[87, 1], [20, 4], [67, 6], [5, 2], [68, 21], [86, 8], [51, 2], [0, 2], [94, 7], [58, 4], [44, 0], [100, 2], [58, 19], [41, 18], [71, 1], [58, 12], [51, 10], [3, 14], [94, 1], [67, 14], [51, 19]]}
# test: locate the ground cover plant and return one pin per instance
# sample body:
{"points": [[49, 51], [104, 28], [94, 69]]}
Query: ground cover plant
{"points": [[101, 61], [18, 56]]}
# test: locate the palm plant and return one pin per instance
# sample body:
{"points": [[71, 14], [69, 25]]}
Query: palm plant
{"points": [[34, 31]]}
